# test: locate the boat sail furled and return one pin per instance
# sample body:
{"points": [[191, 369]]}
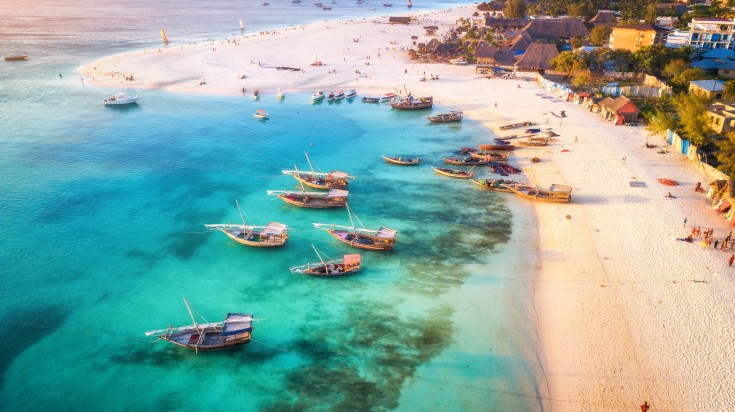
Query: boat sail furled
{"points": [[235, 331], [361, 238], [164, 37]]}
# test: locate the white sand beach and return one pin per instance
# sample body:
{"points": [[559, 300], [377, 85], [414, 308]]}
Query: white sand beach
{"points": [[626, 313]]}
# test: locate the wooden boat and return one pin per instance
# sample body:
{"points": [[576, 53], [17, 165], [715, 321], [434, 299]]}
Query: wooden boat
{"points": [[466, 150], [411, 103], [16, 58], [367, 99], [318, 96], [352, 93], [320, 180], [271, 235], [461, 174], [468, 160], [361, 238], [491, 147], [514, 125], [235, 331], [499, 185], [261, 114], [387, 97], [313, 200], [280, 94], [554, 194], [491, 156], [402, 160], [453, 116], [330, 267]]}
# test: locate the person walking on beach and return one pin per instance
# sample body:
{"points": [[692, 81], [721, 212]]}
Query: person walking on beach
{"points": [[645, 406], [729, 261], [717, 242], [496, 105], [685, 221]]}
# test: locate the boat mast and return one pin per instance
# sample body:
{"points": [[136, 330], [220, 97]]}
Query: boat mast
{"points": [[239, 210], [319, 256], [196, 348], [309, 161]]}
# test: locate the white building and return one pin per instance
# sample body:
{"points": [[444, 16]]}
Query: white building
{"points": [[677, 38]]}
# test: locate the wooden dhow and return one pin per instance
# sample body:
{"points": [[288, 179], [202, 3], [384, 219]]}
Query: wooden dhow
{"points": [[313, 200], [553, 194], [493, 147], [515, 125], [271, 235], [460, 174], [235, 331], [330, 267], [412, 103], [320, 180], [361, 238], [499, 185], [491, 156], [467, 160], [453, 116], [399, 160]]}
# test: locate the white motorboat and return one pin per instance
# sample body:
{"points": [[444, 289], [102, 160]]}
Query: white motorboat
{"points": [[280, 93], [318, 96], [121, 98], [261, 114], [458, 61]]}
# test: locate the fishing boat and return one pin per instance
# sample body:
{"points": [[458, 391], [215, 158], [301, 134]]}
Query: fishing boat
{"points": [[330, 267], [271, 235], [242, 25], [121, 99], [318, 96], [320, 180], [412, 103], [460, 61], [461, 174], [553, 194], [313, 200], [491, 147], [453, 116], [491, 156], [280, 94], [387, 4], [361, 238], [330, 96], [339, 95], [235, 331], [405, 161], [385, 97], [499, 185], [352, 93], [16, 58], [256, 94], [514, 125], [164, 37], [468, 160], [261, 114], [367, 99]]}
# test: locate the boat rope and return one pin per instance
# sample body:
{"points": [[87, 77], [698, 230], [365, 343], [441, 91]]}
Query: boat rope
{"points": [[274, 347], [31, 325]]}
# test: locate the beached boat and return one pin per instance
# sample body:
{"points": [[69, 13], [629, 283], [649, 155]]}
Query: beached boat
{"points": [[386, 97], [320, 180], [261, 114], [16, 58], [499, 185], [271, 235], [313, 200], [121, 99], [453, 116], [235, 331], [318, 96], [367, 99], [352, 93], [514, 125], [339, 95], [402, 160], [361, 238], [491, 147], [491, 156], [164, 37], [468, 160], [412, 103], [280, 94], [460, 61], [554, 193], [330, 267], [461, 174]]}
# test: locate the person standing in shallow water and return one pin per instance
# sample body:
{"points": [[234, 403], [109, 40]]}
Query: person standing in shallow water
{"points": [[729, 261]]}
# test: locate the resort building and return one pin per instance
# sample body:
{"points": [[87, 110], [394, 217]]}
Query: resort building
{"points": [[677, 39], [712, 89], [603, 18], [537, 58], [488, 56], [721, 117], [634, 36], [712, 33], [502, 24]]}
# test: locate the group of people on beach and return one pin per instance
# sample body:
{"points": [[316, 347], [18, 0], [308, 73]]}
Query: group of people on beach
{"points": [[708, 241]]}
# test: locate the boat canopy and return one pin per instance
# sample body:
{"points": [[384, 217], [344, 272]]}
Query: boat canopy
{"points": [[560, 188], [274, 228], [338, 193], [337, 175], [236, 323], [352, 259], [385, 233]]}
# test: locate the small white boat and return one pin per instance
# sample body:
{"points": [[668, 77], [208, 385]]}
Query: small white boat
{"points": [[120, 99], [318, 96], [459, 61], [260, 114], [339, 95], [352, 93], [256, 94], [280, 93], [387, 97], [330, 96]]}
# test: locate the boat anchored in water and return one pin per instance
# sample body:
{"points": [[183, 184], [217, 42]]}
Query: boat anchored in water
{"points": [[261, 114], [280, 94], [236, 330], [453, 116], [318, 96], [461, 174], [412, 103], [330, 267], [271, 235], [400, 160], [121, 99], [313, 200], [320, 180], [361, 238]]}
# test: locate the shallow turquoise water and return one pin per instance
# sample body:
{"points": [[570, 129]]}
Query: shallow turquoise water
{"points": [[103, 211]]}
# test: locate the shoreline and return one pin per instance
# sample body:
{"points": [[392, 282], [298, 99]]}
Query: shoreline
{"points": [[626, 314]]}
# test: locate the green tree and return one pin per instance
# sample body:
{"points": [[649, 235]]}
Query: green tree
{"points": [[515, 9], [652, 59], [600, 36], [660, 121], [692, 111], [577, 42], [726, 154], [651, 14], [729, 88], [674, 68], [683, 78], [582, 79]]}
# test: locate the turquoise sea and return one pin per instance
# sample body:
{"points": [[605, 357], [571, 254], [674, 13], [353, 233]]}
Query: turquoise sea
{"points": [[102, 213]]}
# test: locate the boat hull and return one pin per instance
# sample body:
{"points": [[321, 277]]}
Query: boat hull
{"points": [[459, 174], [402, 161], [320, 183], [212, 341], [255, 240], [360, 240], [16, 58], [313, 202]]}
